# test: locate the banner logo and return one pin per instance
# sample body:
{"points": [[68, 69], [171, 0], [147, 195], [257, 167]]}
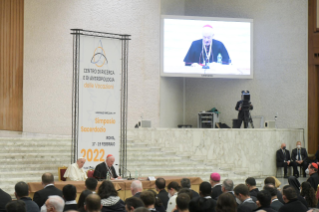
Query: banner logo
{"points": [[99, 58]]}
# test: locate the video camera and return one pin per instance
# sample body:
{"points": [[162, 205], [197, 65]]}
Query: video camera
{"points": [[245, 97]]}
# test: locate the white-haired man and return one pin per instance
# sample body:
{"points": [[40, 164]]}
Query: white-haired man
{"points": [[75, 171], [136, 188], [206, 50], [104, 168], [54, 204]]}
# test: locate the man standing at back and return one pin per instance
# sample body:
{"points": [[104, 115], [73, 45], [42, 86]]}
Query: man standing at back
{"points": [[49, 190], [299, 155], [22, 193], [216, 185], [160, 185]]}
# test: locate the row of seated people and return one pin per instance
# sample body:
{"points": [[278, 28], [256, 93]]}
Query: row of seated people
{"points": [[214, 196]]}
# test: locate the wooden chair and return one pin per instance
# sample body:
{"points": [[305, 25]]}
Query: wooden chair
{"points": [[61, 173], [90, 172]]}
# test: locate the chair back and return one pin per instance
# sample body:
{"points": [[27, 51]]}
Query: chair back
{"points": [[61, 173], [90, 172]]}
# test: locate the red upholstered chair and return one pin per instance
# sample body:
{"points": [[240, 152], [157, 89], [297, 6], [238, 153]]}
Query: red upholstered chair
{"points": [[61, 173], [90, 172]]}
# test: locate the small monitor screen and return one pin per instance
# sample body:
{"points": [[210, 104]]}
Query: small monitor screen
{"points": [[206, 47]]}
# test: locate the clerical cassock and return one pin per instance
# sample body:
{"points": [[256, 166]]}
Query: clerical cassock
{"points": [[203, 54], [101, 171]]}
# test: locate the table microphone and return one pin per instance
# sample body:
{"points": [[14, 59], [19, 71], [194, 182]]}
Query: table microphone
{"points": [[129, 178]]}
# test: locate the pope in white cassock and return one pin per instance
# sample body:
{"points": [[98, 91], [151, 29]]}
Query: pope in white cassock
{"points": [[75, 171]]}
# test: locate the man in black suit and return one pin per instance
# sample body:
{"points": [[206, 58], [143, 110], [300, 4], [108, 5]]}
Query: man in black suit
{"points": [[105, 168], [132, 203], [289, 194], [204, 202], [263, 201], [182, 202], [246, 203], [314, 177], [15, 206], [283, 160], [136, 188], [275, 203], [206, 50], [49, 189], [22, 193], [251, 184], [160, 185], [186, 183], [4, 199], [299, 156], [216, 185], [69, 196]]}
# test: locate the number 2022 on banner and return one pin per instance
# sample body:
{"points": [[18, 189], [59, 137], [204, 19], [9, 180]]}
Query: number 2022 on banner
{"points": [[97, 154]]}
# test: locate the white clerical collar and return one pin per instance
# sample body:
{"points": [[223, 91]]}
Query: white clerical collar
{"points": [[72, 202], [216, 184], [49, 185], [274, 200], [208, 197]]}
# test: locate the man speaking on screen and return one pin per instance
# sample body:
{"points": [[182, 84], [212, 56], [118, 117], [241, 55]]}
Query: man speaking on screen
{"points": [[206, 50]]}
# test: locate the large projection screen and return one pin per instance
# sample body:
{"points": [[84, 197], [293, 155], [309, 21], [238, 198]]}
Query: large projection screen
{"points": [[207, 47]]}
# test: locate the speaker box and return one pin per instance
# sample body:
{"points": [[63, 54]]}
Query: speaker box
{"points": [[270, 124]]}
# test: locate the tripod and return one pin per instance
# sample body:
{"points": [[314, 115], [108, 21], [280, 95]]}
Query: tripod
{"points": [[248, 119]]}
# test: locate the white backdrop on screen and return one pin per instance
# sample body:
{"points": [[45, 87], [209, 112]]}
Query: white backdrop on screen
{"points": [[178, 35], [99, 99]]}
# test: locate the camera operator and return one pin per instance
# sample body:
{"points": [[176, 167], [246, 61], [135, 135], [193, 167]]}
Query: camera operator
{"points": [[243, 107]]}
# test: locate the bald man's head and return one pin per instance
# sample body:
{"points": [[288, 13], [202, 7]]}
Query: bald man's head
{"points": [[47, 178], [208, 35], [283, 146], [136, 187], [93, 203], [110, 161]]}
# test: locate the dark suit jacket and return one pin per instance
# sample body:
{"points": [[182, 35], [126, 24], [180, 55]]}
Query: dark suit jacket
{"points": [[194, 193], [30, 205], [279, 197], [303, 154], [314, 180], [41, 196], [293, 206], [69, 207], [254, 192], [267, 209], [216, 191], [163, 196], [276, 205], [195, 53], [101, 170], [201, 204], [247, 207], [138, 194], [4, 199], [280, 157]]}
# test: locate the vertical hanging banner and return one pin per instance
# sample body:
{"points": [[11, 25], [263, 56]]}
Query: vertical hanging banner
{"points": [[99, 101]]}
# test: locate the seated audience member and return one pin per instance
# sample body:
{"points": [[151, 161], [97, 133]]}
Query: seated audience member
{"points": [[226, 203], [182, 202], [264, 200], [75, 171], [132, 203], [49, 190], [245, 203], [22, 193], [158, 203], [299, 156], [69, 196], [308, 193], [160, 184], [275, 203], [272, 180], [93, 203], [283, 160], [290, 197], [186, 183], [186, 191], [54, 204], [293, 181], [4, 199], [15, 206], [91, 184], [148, 199], [141, 209], [204, 202], [81, 201], [172, 189], [216, 185], [109, 198], [314, 177], [228, 186], [251, 184], [136, 188]]}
